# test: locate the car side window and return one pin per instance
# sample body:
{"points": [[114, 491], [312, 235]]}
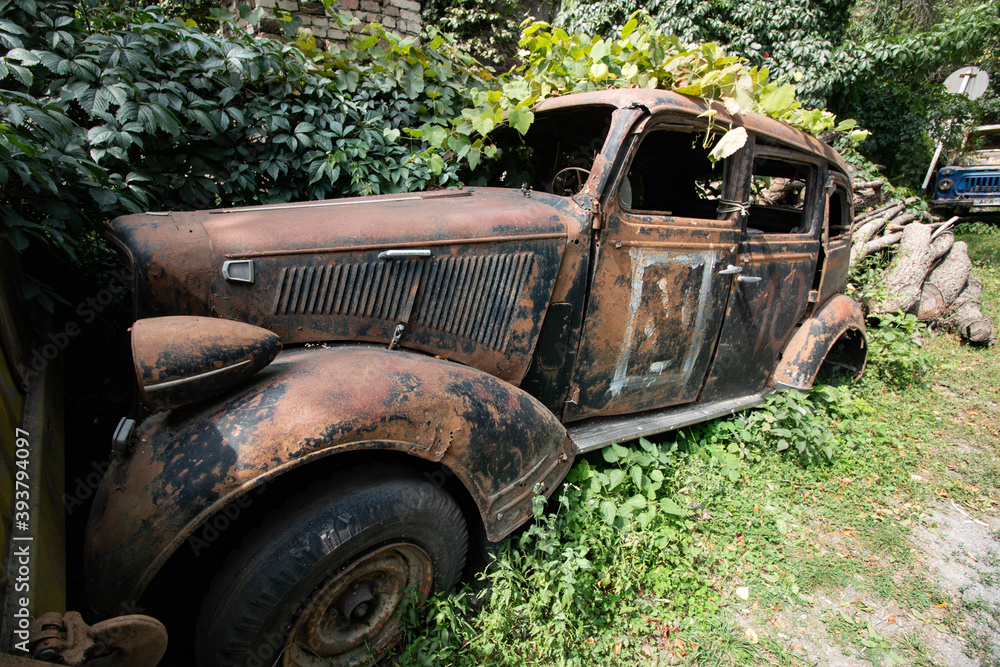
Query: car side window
{"points": [[671, 175], [780, 195], [840, 213]]}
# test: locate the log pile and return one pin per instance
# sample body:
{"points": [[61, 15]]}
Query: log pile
{"points": [[930, 272]]}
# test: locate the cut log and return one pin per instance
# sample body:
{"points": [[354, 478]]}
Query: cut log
{"points": [[867, 232], [909, 267], [872, 213], [967, 318], [903, 219], [952, 275], [972, 325], [944, 226], [885, 214], [932, 304], [941, 245], [973, 290], [873, 246]]}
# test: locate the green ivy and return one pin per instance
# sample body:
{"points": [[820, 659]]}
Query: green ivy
{"points": [[106, 111], [554, 62], [487, 28], [805, 38]]}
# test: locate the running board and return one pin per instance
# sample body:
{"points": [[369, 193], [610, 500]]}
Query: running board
{"points": [[603, 431]]}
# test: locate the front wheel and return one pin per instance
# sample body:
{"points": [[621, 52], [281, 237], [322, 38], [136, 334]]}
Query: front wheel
{"points": [[320, 582]]}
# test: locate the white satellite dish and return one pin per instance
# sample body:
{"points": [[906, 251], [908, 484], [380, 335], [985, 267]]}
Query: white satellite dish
{"points": [[970, 81]]}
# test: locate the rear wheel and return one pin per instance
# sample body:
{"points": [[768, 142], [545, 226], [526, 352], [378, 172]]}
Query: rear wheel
{"points": [[320, 582]]}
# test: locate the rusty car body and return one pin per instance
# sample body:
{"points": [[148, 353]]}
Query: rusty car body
{"points": [[609, 282]]}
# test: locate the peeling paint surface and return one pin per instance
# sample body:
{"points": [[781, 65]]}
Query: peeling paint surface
{"points": [[698, 303], [188, 462]]}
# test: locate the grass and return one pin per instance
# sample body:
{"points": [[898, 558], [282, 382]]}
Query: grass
{"points": [[734, 542]]}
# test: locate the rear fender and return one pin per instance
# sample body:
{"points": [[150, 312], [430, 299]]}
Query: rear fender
{"points": [[190, 463], [839, 319]]}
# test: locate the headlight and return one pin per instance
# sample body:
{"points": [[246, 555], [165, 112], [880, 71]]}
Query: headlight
{"points": [[945, 184], [183, 359]]}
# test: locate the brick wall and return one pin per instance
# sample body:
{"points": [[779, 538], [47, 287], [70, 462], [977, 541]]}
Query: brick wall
{"points": [[402, 16]]}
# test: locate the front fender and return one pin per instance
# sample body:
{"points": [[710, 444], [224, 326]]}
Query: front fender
{"points": [[310, 403], [808, 348]]}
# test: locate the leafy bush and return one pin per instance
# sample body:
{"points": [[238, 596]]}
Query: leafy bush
{"points": [[630, 547], [110, 111], [616, 541], [790, 421], [786, 37], [808, 37], [875, 66], [894, 339], [894, 355]]}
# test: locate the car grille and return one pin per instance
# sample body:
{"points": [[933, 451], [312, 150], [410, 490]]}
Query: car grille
{"points": [[472, 297], [979, 185]]}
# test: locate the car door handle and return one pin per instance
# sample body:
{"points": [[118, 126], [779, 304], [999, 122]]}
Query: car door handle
{"points": [[748, 279], [405, 254], [730, 270]]}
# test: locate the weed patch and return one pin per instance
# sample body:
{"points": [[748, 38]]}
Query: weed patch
{"points": [[711, 546]]}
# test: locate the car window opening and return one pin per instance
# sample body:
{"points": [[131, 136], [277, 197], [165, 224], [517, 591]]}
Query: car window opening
{"points": [[840, 222], [557, 153], [672, 175], [984, 140], [778, 197]]}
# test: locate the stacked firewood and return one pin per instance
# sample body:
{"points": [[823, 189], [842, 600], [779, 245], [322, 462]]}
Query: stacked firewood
{"points": [[930, 272]]}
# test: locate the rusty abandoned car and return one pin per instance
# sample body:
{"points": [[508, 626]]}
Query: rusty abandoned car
{"points": [[343, 396]]}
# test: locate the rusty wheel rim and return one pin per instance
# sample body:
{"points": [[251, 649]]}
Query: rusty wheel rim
{"points": [[351, 619]]}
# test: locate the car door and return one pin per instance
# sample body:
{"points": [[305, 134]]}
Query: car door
{"points": [[659, 282], [776, 270]]}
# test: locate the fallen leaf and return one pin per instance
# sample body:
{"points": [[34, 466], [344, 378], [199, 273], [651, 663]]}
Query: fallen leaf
{"points": [[743, 592], [752, 636]]}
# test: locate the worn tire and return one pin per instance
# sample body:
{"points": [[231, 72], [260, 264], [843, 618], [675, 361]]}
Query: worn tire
{"points": [[325, 573]]}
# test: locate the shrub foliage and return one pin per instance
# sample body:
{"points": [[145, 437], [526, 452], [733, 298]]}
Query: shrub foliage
{"points": [[106, 111]]}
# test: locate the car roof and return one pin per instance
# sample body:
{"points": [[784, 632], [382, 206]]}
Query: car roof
{"points": [[665, 101]]}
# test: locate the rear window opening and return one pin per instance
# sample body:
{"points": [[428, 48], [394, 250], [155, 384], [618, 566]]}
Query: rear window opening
{"points": [[779, 194], [840, 207]]}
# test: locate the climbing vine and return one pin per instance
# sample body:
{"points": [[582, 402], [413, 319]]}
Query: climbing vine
{"points": [[555, 62]]}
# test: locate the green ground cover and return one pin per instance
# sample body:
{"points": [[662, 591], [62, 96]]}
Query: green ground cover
{"points": [[784, 535]]}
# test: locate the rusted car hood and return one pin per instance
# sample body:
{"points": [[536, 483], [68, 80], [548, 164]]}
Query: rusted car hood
{"points": [[470, 274], [389, 220]]}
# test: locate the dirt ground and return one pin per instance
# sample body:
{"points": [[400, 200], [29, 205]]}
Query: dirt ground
{"points": [[960, 552]]}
